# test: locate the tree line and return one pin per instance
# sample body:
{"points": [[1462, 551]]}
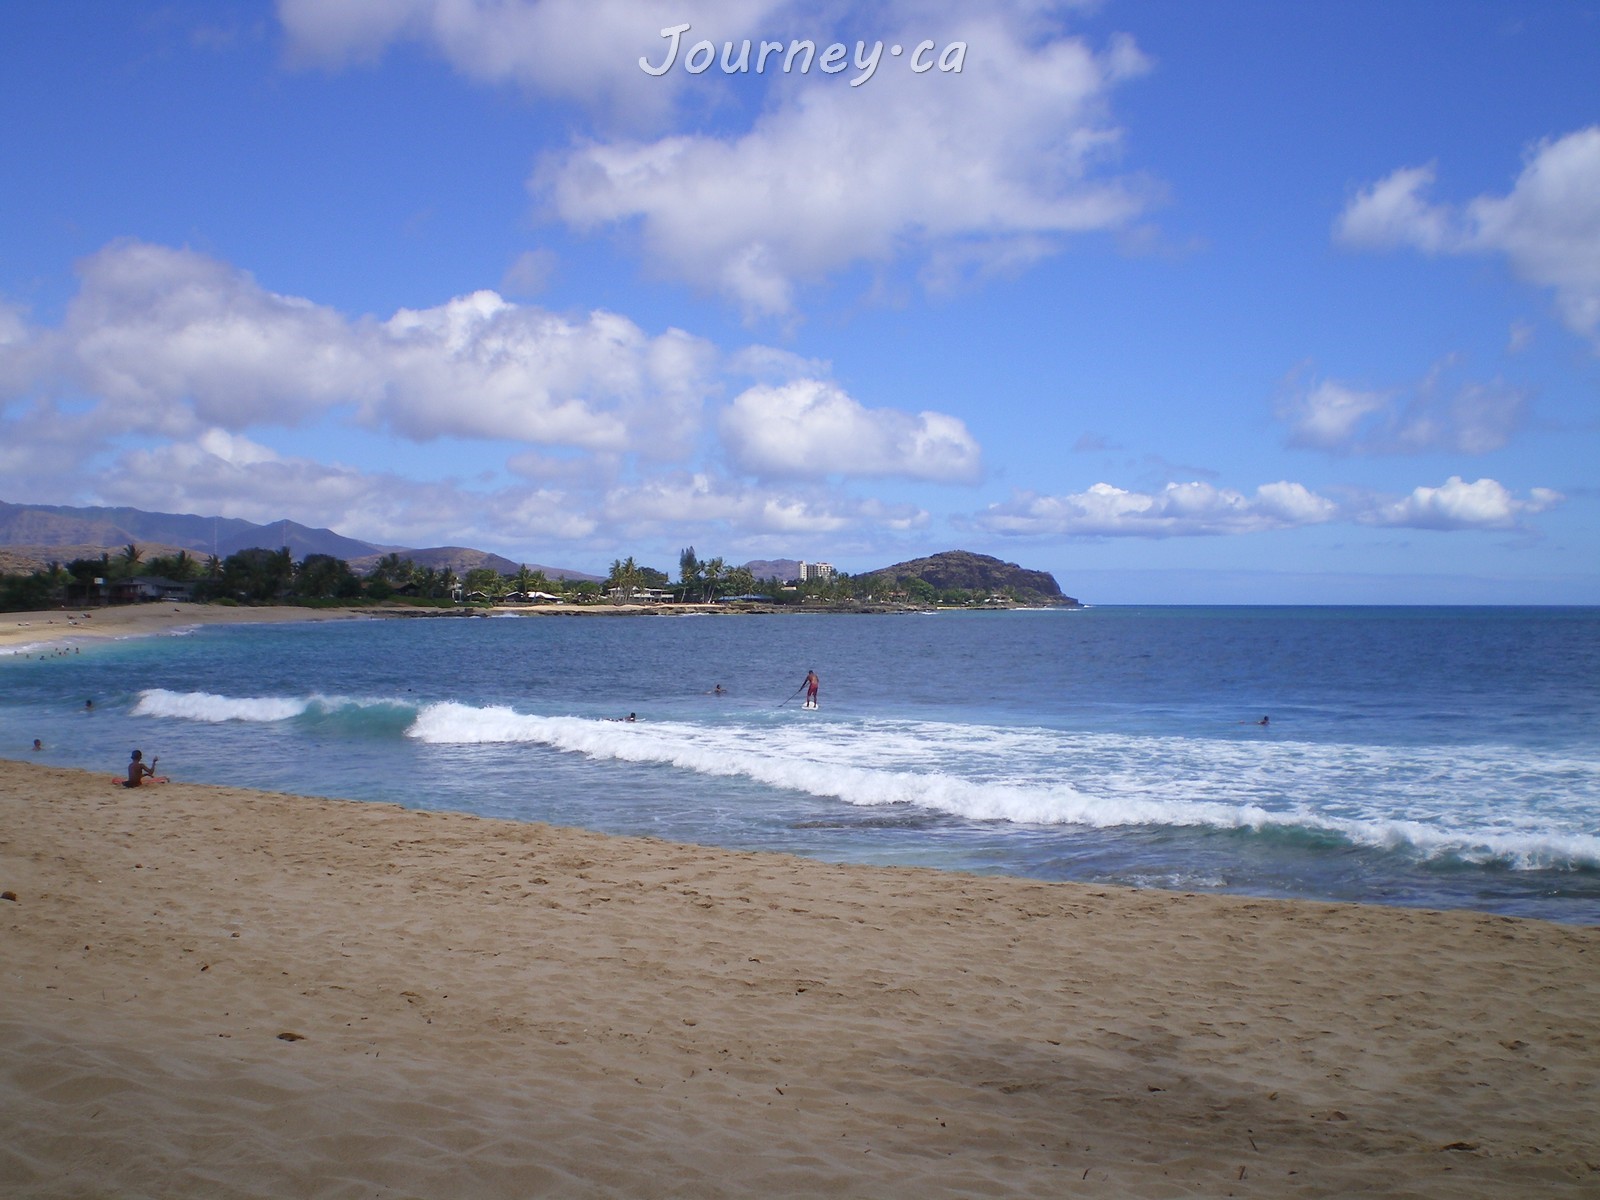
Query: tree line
{"points": [[262, 576]]}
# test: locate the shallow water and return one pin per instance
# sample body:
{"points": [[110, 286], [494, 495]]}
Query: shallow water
{"points": [[1437, 757]]}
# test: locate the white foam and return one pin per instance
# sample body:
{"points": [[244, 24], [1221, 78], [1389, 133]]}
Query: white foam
{"points": [[1436, 802], [204, 706], [28, 648]]}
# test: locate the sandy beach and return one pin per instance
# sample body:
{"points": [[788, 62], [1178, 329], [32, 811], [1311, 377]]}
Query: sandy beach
{"points": [[54, 626], [57, 626], [226, 993]]}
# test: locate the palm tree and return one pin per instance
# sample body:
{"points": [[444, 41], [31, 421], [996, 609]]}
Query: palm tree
{"points": [[523, 580], [448, 582], [131, 554], [714, 571], [393, 569], [625, 577]]}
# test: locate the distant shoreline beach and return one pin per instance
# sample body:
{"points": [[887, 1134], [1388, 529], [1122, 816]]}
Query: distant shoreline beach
{"points": [[54, 626]]}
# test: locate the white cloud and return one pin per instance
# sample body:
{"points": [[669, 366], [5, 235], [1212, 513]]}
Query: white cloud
{"points": [[1177, 510], [575, 49], [478, 366], [772, 365], [529, 274], [19, 352], [811, 428], [1466, 418], [230, 475], [701, 501], [174, 342], [1328, 415], [1456, 504], [1001, 160], [1547, 226], [1198, 509], [44, 451], [156, 386]]}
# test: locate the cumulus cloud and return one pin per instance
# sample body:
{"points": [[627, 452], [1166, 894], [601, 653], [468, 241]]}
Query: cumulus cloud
{"points": [[1199, 509], [169, 365], [1434, 414], [993, 165], [19, 352], [1177, 510], [173, 342], [225, 473], [43, 448], [1547, 226], [573, 49], [478, 366], [1456, 504], [811, 428], [701, 500]]}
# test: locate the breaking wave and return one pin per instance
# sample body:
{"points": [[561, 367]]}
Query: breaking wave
{"points": [[1451, 804]]}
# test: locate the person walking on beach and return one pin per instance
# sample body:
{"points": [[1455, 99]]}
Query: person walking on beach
{"points": [[811, 685]]}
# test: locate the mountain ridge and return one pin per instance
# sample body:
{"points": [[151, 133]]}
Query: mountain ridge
{"points": [[39, 529]]}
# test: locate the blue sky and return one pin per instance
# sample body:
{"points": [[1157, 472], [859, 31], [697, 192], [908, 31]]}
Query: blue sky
{"points": [[1234, 302]]}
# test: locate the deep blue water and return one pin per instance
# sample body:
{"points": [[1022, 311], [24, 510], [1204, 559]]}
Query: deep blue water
{"points": [[1446, 757]]}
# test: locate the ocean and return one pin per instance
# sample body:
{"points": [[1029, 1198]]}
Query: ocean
{"points": [[1436, 757]]}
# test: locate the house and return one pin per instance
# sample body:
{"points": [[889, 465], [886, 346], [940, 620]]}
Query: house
{"points": [[141, 588]]}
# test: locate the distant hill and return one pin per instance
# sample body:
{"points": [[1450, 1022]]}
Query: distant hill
{"points": [[462, 559], [978, 572], [774, 568], [39, 532]]}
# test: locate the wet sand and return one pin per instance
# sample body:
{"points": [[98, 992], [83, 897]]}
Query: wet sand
{"points": [[215, 992]]}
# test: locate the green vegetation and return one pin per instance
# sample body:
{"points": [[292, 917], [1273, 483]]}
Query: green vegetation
{"points": [[261, 576]]}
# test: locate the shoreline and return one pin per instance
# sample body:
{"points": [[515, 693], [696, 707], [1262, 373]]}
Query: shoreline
{"points": [[52, 627], [216, 991]]}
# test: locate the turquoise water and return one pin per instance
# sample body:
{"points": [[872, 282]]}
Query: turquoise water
{"points": [[1436, 757]]}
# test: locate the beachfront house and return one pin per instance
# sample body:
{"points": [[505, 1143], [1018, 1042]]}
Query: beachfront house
{"points": [[145, 588]]}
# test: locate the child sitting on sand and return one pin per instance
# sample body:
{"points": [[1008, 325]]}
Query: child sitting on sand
{"points": [[138, 772]]}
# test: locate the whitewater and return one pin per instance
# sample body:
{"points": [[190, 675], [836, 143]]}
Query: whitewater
{"points": [[1440, 757]]}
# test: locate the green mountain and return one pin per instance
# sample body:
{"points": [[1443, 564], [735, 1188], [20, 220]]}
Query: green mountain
{"points": [[979, 572]]}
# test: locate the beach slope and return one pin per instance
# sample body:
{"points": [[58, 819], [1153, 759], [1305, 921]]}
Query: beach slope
{"points": [[214, 992]]}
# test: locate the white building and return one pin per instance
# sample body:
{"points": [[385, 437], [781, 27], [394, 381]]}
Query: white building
{"points": [[816, 570]]}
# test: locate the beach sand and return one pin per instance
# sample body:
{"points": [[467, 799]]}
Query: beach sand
{"points": [[215, 992], [55, 626]]}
